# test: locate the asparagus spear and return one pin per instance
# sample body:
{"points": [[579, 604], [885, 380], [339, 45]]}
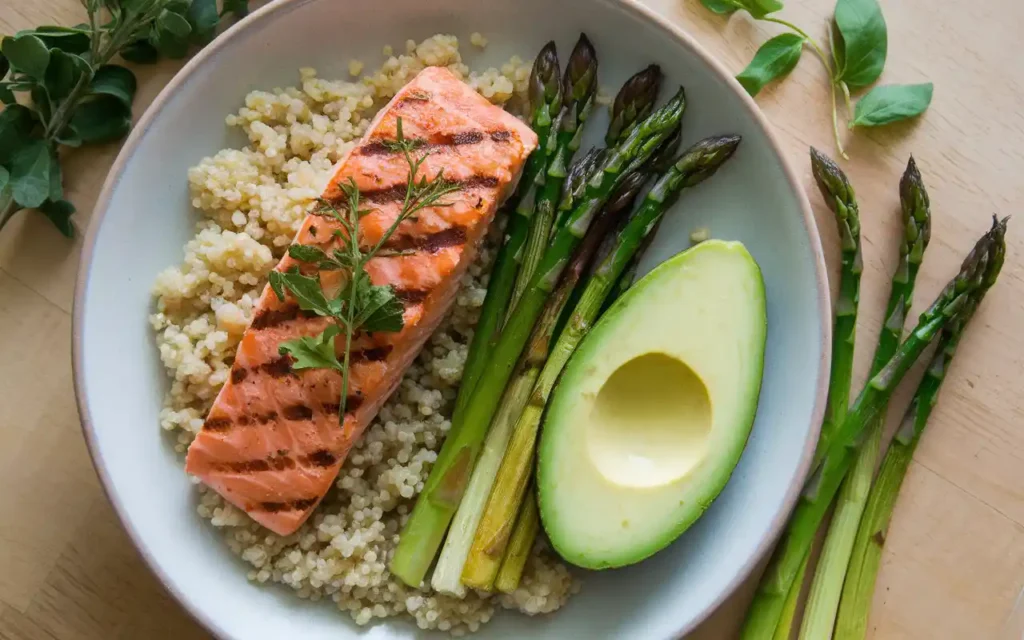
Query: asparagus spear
{"points": [[545, 101], [633, 103], [867, 550], [828, 578], [444, 487], [447, 573], [965, 287], [578, 88], [519, 545], [839, 195], [697, 164]]}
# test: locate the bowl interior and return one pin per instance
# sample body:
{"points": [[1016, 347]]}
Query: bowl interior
{"points": [[143, 219]]}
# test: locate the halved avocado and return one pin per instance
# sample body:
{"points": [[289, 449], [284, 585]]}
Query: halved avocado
{"points": [[654, 409]]}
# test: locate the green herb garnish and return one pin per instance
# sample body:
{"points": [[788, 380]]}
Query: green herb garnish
{"points": [[75, 95], [858, 47], [360, 305]]}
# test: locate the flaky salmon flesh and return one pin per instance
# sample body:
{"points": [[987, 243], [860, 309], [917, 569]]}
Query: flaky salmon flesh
{"points": [[273, 442]]}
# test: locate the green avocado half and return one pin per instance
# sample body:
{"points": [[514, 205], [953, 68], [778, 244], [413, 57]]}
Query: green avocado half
{"points": [[654, 409]]}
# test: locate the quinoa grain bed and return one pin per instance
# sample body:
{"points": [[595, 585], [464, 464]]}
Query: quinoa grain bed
{"points": [[252, 201]]}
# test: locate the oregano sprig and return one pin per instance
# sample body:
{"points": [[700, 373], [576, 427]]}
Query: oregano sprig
{"points": [[858, 46], [75, 96], [360, 305]]}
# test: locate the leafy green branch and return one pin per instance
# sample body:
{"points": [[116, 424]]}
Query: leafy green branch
{"points": [[360, 305], [858, 45], [72, 94]]}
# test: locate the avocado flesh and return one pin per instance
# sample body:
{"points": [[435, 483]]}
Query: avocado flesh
{"points": [[654, 409]]}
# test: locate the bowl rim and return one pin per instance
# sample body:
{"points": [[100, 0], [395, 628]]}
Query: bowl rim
{"points": [[276, 7]]}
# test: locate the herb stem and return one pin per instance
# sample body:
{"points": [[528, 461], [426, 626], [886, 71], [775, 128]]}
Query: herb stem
{"points": [[835, 122]]}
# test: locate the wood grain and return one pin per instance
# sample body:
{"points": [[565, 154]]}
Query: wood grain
{"points": [[954, 563]]}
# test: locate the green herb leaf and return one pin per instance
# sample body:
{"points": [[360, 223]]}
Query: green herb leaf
{"points": [[173, 23], [5, 66], [240, 8], [761, 8], [202, 15], [721, 7], [179, 7], [7, 96], [41, 101], [140, 52], [17, 125], [306, 290], [892, 103], [75, 40], [101, 118], [314, 352], [169, 45], [26, 54], [5, 180], [30, 174], [307, 253], [380, 309], [865, 41], [59, 213], [774, 59], [114, 80], [63, 73]]}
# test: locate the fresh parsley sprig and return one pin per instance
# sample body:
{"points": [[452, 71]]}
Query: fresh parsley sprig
{"points": [[857, 53], [74, 96], [360, 305]]}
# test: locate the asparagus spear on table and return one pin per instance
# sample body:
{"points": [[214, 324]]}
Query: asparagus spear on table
{"points": [[451, 472], [579, 86], [980, 267], [858, 588], [696, 164], [840, 197], [545, 102], [823, 601]]}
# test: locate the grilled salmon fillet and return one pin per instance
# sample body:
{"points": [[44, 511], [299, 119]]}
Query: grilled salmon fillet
{"points": [[273, 443]]}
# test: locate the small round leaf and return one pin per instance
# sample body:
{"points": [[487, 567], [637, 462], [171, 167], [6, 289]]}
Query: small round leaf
{"points": [[30, 173], [101, 118], [26, 54], [68, 39], [140, 52], [173, 23], [114, 80], [63, 73], [17, 125], [59, 212]]}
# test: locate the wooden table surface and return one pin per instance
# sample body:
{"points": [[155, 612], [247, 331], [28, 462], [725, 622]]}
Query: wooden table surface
{"points": [[954, 561]]}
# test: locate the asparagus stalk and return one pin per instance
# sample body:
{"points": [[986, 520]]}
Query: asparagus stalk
{"points": [[578, 88], [519, 546], [447, 573], [545, 101], [839, 195], [859, 585], [766, 609], [423, 532], [696, 165], [823, 601]]}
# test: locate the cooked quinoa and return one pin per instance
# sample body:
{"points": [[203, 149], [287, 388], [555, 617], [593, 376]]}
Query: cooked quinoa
{"points": [[252, 201]]}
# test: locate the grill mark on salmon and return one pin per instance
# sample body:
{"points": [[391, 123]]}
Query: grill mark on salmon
{"points": [[396, 193], [292, 505], [287, 456], [381, 147]]}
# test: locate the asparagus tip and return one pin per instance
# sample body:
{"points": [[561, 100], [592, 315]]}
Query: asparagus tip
{"points": [[580, 78], [544, 80]]}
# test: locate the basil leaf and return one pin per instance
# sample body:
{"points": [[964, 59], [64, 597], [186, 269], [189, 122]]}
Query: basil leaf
{"points": [[721, 7], [59, 213], [63, 73], [68, 39], [202, 15], [27, 54], [761, 8], [380, 309], [170, 22], [114, 80], [168, 44], [5, 66], [865, 41], [892, 103], [179, 7], [774, 59], [139, 52], [100, 118], [17, 124], [30, 174], [306, 290], [314, 352], [240, 8]]}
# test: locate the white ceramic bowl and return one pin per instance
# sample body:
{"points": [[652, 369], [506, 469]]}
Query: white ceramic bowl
{"points": [[143, 218]]}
